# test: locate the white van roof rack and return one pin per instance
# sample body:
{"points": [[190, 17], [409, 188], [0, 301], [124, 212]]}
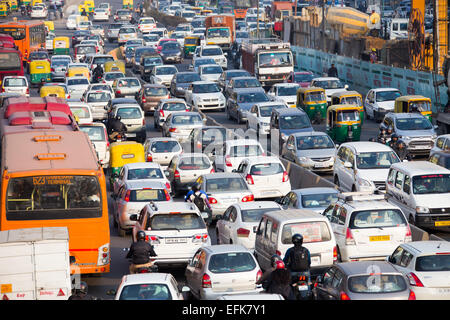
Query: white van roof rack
{"points": [[361, 196]]}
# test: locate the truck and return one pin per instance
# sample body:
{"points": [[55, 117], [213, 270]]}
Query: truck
{"points": [[220, 31], [269, 60], [35, 264]]}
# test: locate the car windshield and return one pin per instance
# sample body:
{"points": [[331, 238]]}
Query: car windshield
{"points": [[166, 70], [384, 283], [102, 60], [246, 83], [216, 69], [172, 45], [314, 142], [187, 77], [81, 81], [252, 150], [313, 231], [178, 221], [123, 13], [165, 146], [110, 76], [266, 169], [329, 84], [294, 122], [379, 218], [99, 97], [303, 77], [320, 200], [287, 91], [95, 133], [81, 112], [387, 95], [15, 82], [315, 96], [433, 263], [150, 38], [234, 184], [156, 92], [205, 88], [144, 173], [413, 124], [186, 119], [129, 113], [145, 291], [252, 97], [433, 183], [231, 262], [212, 52], [254, 215], [174, 106], [194, 163], [152, 61], [275, 59], [376, 160], [348, 115], [419, 106], [218, 32]]}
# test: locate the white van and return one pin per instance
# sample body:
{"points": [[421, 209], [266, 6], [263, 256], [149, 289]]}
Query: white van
{"points": [[398, 29], [275, 231], [421, 189]]}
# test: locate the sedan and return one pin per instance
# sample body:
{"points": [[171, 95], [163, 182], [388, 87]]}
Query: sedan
{"points": [[239, 222], [210, 72], [241, 82], [123, 15], [222, 269], [181, 81], [241, 101], [179, 124], [124, 87], [101, 14], [150, 40], [258, 118], [314, 198]]}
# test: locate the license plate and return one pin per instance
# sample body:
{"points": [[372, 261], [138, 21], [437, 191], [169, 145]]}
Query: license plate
{"points": [[176, 240], [422, 147], [268, 192], [131, 134], [441, 223], [444, 290], [302, 288], [321, 165], [380, 238], [315, 261], [230, 200]]}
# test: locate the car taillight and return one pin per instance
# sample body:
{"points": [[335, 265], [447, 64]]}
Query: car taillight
{"points": [[143, 122], [152, 239], [258, 275], [200, 237], [52, 69], [161, 113], [414, 280], [173, 130], [176, 175], [127, 196], [199, 145], [335, 255], [212, 200], [168, 187], [144, 100], [228, 162], [149, 158], [166, 193], [3, 89], [249, 179], [248, 198], [242, 232], [412, 295], [349, 240], [206, 281], [285, 176], [212, 170], [118, 92], [28, 91], [408, 236], [344, 296]]}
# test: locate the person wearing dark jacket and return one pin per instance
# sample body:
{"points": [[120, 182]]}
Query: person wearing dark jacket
{"points": [[332, 72], [81, 293], [140, 253], [298, 259], [279, 282], [116, 126]]}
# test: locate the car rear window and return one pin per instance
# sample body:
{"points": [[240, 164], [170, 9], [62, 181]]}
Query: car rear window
{"points": [[176, 221], [438, 262], [129, 113], [377, 219], [129, 83], [226, 184], [95, 133], [113, 76], [246, 151], [144, 173], [318, 200], [156, 92], [165, 146], [81, 112], [99, 97], [266, 169], [315, 231], [147, 195], [144, 291], [194, 163], [255, 215], [382, 283], [186, 120], [174, 106], [81, 81], [231, 262], [15, 82]]}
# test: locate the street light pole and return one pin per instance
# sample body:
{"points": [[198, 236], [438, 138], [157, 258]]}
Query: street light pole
{"points": [[257, 19], [323, 25]]}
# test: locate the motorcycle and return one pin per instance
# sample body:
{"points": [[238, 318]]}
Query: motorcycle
{"points": [[153, 268], [302, 286]]}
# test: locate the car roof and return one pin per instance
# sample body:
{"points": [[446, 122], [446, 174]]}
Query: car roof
{"points": [[153, 139], [264, 159], [170, 207], [141, 184], [384, 89], [271, 103], [367, 146], [203, 82], [315, 190], [295, 215], [218, 175], [427, 247], [225, 248], [325, 78], [241, 142], [286, 84], [289, 111], [249, 90], [173, 100], [405, 115], [256, 205], [365, 267], [210, 65], [141, 165], [308, 134], [420, 167]]}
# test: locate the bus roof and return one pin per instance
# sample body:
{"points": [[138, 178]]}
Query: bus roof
{"points": [[48, 150], [21, 23]]}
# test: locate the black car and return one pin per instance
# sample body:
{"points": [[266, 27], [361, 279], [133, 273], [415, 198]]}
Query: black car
{"points": [[79, 35], [171, 52], [138, 53], [147, 62], [181, 81], [201, 138]]}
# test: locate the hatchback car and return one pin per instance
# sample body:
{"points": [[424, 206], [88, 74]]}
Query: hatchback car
{"points": [[199, 62], [210, 72], [78, 36], [126, 33], [16, 84], [180, 124], [161, 150], [228, 155], [165, 107], [81, 111], [163, 74], [203, 139], [171, 51], [363, 280], [181, 81], [147, 63], [314, 198], [284, 122], [205, 95], [98, 100], [150, 95], [59, 68], [134, 119], [99, 138], [258, 117], [123, 15], [150, 40], [77, 86], [126, 87], [241, 100], [100, 14], [146, 24], [110, 77], [213, 52], [222, 269]]}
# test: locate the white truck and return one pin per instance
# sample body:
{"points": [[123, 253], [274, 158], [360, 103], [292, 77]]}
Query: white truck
{"points": [[35, 264]]}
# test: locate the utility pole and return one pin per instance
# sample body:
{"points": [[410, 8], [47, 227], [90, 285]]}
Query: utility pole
{"points": [[257, 19], [323, 25]]}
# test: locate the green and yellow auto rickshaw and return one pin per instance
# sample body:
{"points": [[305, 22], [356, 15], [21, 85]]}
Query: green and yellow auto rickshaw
{"points": [[349, 97], [416, 103], [190, 44], [40, 72], [14, 6], [314, 102], [61, 45], [3, 10], [124, 152], [343, 123], [127, 4], [89, 5]]}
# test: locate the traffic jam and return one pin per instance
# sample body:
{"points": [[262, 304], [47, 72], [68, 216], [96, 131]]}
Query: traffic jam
{"points": [[180, 150]]}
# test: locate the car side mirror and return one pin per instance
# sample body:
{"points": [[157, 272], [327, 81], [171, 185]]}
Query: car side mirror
{"points": [[111, 292], [348, 164], [133, 217], [167, 174], [225, 54]]}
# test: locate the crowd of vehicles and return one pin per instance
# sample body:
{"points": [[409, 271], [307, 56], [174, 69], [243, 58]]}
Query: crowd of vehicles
{"points": [[89, 127]]}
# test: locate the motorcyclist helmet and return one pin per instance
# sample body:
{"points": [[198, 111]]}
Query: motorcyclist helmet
{"points": [[274, 259], [279, 265], [140, 235], [401, 144], [389, 131], [394, 137], [297, 239]]}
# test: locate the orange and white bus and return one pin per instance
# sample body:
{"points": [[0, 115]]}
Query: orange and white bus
{"points": [[28, 35], [53, 179]]}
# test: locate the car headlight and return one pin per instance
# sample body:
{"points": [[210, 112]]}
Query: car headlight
{"points": [[364, 182], [406, 138], [420, 209], [434, 136], [266, 124], [303, 159]]}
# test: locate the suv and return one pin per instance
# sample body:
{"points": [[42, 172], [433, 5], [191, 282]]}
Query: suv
{"points": [[415, 130], [366, 226], [213, 52], [363, 166], [176, 230]]}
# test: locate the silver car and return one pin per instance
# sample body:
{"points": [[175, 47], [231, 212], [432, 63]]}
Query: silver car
{"points": [[166, 107], [314, 198], [223, 190], [161, 150], [126, 87], [59, 68], [180, 124], [312, 150], [222, 269], [97, 100], [77, 86]]}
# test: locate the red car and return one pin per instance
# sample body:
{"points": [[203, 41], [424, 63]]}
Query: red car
{"points": [[303, 78]]}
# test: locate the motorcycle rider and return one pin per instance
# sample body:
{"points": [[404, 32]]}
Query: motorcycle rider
{"points": [[394, 140], [402, 151], [298, 259], [200, 199], [116, 127], [81, 293], [382, 136], [273, 263], [279, 281], [97, 73], [140, 253]]}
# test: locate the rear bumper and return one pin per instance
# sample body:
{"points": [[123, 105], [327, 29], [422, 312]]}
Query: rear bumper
{"points": [[209, 294], [424, 293]]}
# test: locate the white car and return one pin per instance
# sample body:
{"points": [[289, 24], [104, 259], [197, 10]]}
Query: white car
{"points": [[109, 77], [379, 102], [127, 33], [82, 111], [239, 222], [101, 14], [163, 74], [330, 85], [77, 86], [286, 92], [99, 137], [210, 72], [148, 286], [49, 41], [95, 43], [133, 117], [205, 95], [38, 12], [258, 118], [84, 25], [363, 165], [16, 84], [266, 177], [228, 155], [101, 86], [161, 150], [213, 52], [71, 23], [146, 24], [426, 265], [150, 40], [97, 101], [105, 5]]}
